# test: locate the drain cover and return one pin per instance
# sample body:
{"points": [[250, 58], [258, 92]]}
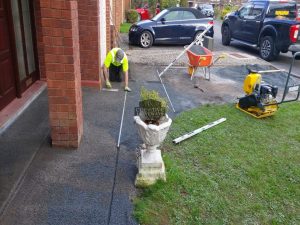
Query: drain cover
{"points": [[240, 55], [153, 81]]}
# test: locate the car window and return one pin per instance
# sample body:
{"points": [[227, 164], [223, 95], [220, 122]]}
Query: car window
{"points": [[257, 11], [245, 11], [187, 15], [282, 11], [159, 14], [173, 15]]}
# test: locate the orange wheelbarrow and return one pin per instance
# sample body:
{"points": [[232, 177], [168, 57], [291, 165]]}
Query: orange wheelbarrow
{"points": [[200, 56]]}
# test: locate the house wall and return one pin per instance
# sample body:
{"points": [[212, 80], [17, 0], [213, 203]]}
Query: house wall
{"points": [[119, 14], [73, 38], [102, 31], [127, 5], [108, 24], [96, 36], [89, 39]]}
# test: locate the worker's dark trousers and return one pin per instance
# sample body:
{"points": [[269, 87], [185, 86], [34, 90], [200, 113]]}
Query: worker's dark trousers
{"points": [[115, 73]]}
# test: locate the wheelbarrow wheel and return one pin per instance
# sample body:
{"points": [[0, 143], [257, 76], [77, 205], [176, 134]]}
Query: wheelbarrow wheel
{"points": [[191, 70]]}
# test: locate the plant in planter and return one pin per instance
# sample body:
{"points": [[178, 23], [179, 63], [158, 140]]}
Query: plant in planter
{"points": [[153, 124]]}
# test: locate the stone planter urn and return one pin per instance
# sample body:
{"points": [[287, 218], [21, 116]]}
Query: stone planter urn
{"points": [[150, 163]]}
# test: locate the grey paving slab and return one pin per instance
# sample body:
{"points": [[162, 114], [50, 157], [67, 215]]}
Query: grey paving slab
{"points": [[75, 186], [20, 142]]}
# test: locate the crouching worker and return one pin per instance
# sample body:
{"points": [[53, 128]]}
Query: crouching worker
{"points": [[116, 64]]}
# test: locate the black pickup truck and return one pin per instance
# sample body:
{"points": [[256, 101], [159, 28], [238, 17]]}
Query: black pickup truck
{"points": [[271, 26]]}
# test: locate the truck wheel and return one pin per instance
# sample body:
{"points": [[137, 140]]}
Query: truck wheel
{"points": [[267, 49], [226, 37], [146, 39]]}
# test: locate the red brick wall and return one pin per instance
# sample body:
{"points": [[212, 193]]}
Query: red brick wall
{"points": [[127, 4], [89, 38], [88, 15], [126, 7], [115, 17], [108, 29], [60, 41], [119, 14]]}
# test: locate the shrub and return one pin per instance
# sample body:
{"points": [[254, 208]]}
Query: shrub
{"points": [[152, 106], [217, 12], [132, 16], [227, 9], [168, 3], [184, 3]]}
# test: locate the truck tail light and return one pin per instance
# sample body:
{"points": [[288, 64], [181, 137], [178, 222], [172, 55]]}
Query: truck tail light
{"points": [[211, 22], [294, 30]]}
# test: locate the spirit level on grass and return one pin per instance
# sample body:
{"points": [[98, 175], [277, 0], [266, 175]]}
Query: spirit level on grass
{"points": [[192, 133]]}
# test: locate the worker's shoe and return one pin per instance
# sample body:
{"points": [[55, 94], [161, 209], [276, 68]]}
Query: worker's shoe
{"points": [[127, 89], [108, 85]]}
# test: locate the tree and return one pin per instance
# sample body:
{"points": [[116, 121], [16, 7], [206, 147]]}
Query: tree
{"points": [[136, 3], [168, 3], [184, 3]]}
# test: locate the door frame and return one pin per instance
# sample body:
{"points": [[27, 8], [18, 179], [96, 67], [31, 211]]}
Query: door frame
{"points": [[22, 86], [7, 6]]}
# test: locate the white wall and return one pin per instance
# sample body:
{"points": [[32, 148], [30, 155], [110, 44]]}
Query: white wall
{"points": [[102, 30]]}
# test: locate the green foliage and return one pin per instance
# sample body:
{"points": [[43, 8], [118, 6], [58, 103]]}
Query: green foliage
{"points": [[125, 27], [227, 9], [152, 5], [217, 13], [168, 3], [184, 3], [233, 173], [132, 16], [152, 105], [137, 3]]}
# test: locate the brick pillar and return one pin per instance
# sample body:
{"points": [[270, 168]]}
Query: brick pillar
{"points": [[59, 25]]}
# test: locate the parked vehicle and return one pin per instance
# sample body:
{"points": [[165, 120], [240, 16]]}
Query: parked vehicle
{"points": [[268, 25], [170, 26], [206, 9]]}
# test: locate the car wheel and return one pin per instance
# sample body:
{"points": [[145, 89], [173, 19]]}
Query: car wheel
{"points": [[146, 39], [226, 37], [267, 49], [196, 36]]}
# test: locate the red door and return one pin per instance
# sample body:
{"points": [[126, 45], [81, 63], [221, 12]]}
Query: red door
{"points": [[7, 76]]}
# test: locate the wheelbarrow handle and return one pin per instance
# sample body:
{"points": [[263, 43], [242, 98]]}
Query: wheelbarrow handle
{"points": [[219, 57]]}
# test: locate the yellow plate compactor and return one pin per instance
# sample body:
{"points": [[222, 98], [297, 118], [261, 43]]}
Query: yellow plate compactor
{"points": [[260, 99]]}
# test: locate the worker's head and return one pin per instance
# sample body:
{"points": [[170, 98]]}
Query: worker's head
{"points": [[120, 55]]}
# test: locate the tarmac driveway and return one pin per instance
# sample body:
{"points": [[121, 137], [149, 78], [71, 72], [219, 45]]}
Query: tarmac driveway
{"points": [[227, 75]]}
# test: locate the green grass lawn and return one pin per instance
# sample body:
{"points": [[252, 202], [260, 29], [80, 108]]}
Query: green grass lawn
{"points": [[125, 27], [243, 171]]}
